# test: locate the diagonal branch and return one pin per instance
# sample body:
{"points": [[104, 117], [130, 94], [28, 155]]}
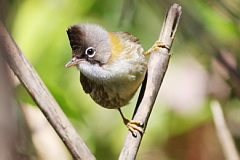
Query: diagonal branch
{"points": [[43, 98], [157, 67]]}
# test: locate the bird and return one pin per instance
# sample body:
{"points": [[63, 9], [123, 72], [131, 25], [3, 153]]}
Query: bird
{"points": [[112, 66]]}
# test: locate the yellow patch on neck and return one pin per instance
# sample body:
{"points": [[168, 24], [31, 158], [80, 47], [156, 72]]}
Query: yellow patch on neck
{"points": [[116, 45]]}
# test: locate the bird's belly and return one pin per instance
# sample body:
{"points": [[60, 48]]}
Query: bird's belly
{"points": [[113, 96]]}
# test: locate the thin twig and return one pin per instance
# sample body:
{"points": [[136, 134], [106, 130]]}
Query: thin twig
{"points": [[157, 67], [43, 98], [223, 133]]}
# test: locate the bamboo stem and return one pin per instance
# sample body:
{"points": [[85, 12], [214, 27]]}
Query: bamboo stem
{"points": [[157, 67]]}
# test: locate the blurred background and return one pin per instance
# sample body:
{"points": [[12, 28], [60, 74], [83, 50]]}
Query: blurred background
{"points": [[204, 68]]}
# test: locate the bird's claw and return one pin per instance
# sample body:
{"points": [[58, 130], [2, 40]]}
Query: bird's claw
{"points": [[134, 126], [158, 45]]}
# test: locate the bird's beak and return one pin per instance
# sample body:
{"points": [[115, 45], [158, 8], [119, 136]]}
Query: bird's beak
{"points": [[74, 61]]}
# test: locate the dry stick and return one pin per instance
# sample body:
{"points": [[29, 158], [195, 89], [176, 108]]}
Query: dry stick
{"points": [[157, 67], [224, 135], [43, 98]]}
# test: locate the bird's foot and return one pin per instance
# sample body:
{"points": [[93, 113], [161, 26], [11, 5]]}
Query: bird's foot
{"points": [[158, 45], [134, 126]]}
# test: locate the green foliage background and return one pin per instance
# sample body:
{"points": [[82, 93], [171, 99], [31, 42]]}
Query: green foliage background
{"points": [[207, 28]]}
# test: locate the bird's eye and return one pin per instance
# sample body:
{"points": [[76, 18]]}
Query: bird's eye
{"points": [[90, 52]]}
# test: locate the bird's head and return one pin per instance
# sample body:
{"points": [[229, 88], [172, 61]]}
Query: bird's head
{"points": [[90, 43]]}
